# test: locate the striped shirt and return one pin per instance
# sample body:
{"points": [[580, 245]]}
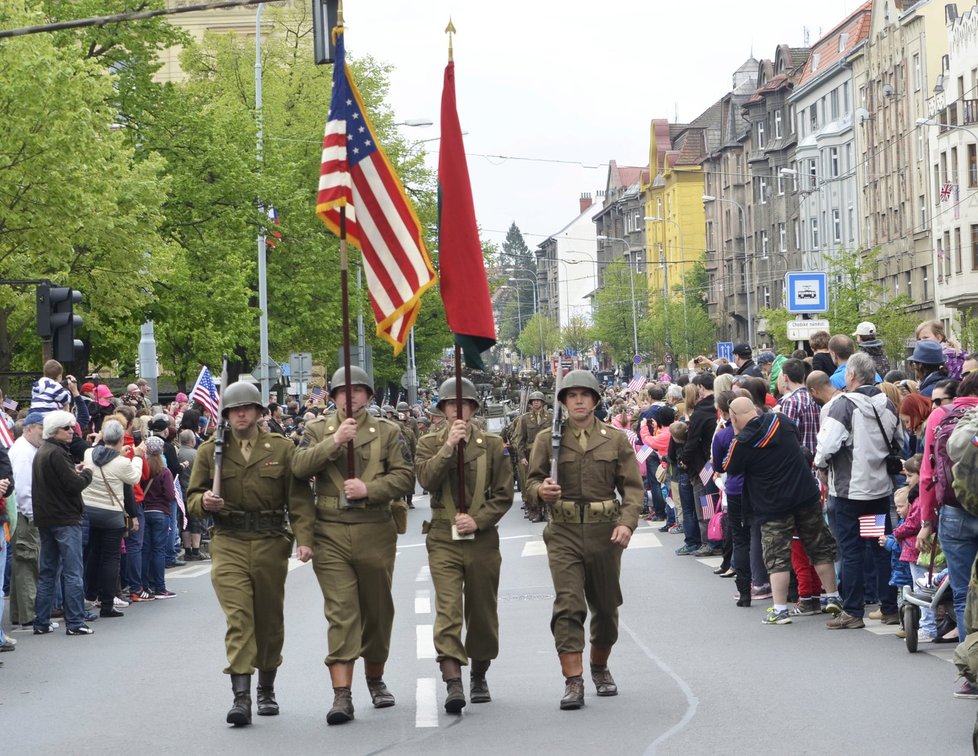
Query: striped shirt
{"points": [[802, 409], [48, 395]]}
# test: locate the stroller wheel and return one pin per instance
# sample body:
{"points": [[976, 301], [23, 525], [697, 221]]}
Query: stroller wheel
{"points": [[911, 624]]}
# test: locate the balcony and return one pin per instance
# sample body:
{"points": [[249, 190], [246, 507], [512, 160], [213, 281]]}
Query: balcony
{"points": [[969, 112]]}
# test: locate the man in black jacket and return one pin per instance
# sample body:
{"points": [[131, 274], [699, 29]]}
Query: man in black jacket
{"points": [[784, 495], [57, 483], [742, 359], [696, 452]]}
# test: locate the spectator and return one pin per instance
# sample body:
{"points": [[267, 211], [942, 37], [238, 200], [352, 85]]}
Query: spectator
{"points": [[8, 519], [872, 345], [841, 349], [819, 385], [275, 418], [796, 402], [57, 483], [103, 406], [821, 356], [944, 391], [906, 535], [739, 514], [895, 376], [26, 541], [47, 393], [857, 434], [954, 358], [914, 411], [785, 498], [765, 361], [927, 362], [908, 387], [196, 526], [742, 359], [106, 512], [158, 496], [696, 451]]}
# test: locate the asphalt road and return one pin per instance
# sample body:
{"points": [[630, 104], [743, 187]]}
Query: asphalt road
{"points": [[697, 675]]}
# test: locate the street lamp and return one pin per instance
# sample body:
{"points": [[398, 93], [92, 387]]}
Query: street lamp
{"points": [[536, 309], [415, 122], [747, 276], [682, 251], [631, 284]]}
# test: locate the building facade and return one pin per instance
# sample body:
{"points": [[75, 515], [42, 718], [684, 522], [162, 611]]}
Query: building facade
{"points": [[567, 268]]}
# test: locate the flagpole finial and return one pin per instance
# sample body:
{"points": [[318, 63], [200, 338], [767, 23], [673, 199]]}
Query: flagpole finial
{"points": [[450, 30], [339, 13]]}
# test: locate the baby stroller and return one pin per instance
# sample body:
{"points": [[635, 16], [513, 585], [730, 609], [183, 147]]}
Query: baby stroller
{"points": [[927, 596]]}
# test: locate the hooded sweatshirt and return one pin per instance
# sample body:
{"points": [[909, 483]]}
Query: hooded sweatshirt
{"points": [[777, 479], [874, 348], [850, 432], [104, 497]]}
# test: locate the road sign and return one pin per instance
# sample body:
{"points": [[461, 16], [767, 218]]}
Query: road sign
{"points": [[725, 350], [808, 292], [802, 330], [637, 359]]}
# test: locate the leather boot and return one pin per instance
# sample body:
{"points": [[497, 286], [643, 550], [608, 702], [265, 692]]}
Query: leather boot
{"points": [[572, 667], [478, 687], [451, 673], [240, 711], [267, 705], [379, 694], [341, 675], [600, 675], [744, 599]]}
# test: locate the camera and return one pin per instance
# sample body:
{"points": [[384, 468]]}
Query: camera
{"points": [[137, 437]]}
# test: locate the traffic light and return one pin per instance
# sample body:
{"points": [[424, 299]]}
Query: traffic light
{"points": [[57, 321]]}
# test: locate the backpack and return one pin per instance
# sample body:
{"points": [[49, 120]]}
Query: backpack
{"points": [[963, 452], [943, 480]]}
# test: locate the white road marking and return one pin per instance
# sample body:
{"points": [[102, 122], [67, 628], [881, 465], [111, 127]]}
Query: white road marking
{"points": [[713, 562], [424, 574], [293, 563], [534, 548], [639, 541], [422, 602], [189, 572], [425, 703], [426, 641]]}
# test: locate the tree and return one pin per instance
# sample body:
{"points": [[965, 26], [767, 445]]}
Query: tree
{"points": [[540, 336], [518, 262], [613, 322], [578, 335]]}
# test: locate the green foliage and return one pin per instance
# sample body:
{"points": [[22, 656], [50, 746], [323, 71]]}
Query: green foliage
{"points": [[613, 322], [517, 256], [540, 334], [578, 335]]}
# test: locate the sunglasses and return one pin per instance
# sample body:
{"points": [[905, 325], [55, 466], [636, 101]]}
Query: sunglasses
{"points": [[69, 428], [937, 402]]}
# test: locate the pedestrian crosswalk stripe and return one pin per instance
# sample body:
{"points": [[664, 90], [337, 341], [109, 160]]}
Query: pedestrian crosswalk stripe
{"points": [[426, 703], [534, 548], [425, 641], [189, 572], [422, 602], [639, 541], [424, 574]]}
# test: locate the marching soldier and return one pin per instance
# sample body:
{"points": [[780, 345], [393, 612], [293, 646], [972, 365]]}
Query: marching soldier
{"points": [[593, 508], [528, 426], [463, 549], [409, 432], [355, 535], [259, 499]]}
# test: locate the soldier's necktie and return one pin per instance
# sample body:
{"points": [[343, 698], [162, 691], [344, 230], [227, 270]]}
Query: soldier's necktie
{"points": [[246, 450]]}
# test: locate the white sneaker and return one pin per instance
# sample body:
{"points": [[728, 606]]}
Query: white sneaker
{"points": [[923, 637], [119, 603]]}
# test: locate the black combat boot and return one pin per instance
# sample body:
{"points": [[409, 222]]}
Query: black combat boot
{"points": [[478, 687], [267, 705], [240, 711]]}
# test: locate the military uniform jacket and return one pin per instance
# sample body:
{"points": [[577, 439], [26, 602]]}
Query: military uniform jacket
{"points": [[606, 468], [378, 461], [264, 483], [529, 428], [436, 464]]}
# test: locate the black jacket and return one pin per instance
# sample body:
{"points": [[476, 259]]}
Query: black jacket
{"points": [[699, 441], [750, 368], [777, 478], [56, 486], [823, 361]]}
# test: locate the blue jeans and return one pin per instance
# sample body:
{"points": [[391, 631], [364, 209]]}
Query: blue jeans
{"points": [[132, 564], [154, 550], [4, 553], [853, 551], [61, 546], [691, 524], [958, 531]]}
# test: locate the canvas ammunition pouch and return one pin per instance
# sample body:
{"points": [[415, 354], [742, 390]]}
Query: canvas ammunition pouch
{"points": [[584, 512]]}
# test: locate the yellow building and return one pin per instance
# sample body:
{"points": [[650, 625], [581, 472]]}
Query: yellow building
{"points": [[675, 219]]}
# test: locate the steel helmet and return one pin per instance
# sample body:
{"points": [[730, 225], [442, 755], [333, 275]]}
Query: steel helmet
{"points": [[388, 409], [240, 394], [580, 379], [358, 377], [536, 395], [446, 392], [403, 407]]}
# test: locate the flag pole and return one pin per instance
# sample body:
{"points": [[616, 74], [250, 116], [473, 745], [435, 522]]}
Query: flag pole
{"points": [[460, 449], [345, 305]]}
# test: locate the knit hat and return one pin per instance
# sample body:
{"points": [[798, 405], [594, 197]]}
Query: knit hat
{"points": [[34, 418], [55, 420], [87, 388], [182, 398], [154, 445]]}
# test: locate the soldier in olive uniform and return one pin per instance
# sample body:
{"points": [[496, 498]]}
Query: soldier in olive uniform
{"points": [[465, 570], [593, 508], [409, 432], [355, 534], [259, 499], [529, 425]]}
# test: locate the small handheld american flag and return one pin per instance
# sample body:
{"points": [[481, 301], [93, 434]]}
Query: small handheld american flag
{"points": [[872, 526], [643, 454], [637, 383], [317, 393], [709, 503], [205, 393]]}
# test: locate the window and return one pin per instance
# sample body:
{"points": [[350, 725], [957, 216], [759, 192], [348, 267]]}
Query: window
{"points": [[926, 291], [954, 166], [777, 124], [780, 181], [760, 135], [916, 72], [974, 248], [782, 238], [843, 41], [834, 103], [852, 223], [767, 297], [833, 161], [813, 118], [813, 223], [762, 189], [845, 97], [972, 166], [910, 284], [836, 226], [923, 211], [791, 118], [812, 173], [797, 234], [764, 247]]}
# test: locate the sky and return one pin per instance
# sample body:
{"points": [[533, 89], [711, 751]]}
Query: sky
{"points": [[548, 92]]}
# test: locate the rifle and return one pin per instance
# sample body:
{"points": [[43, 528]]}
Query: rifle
{"points": [[218, 455], [556, 430]]}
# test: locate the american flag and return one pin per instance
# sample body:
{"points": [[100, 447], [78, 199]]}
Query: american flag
{"points": [[356, 177], [872, 526], [946, 192], [643, 454], [637, 383], [272, 235], [205, 393], [317, 393], [6, 439], [631, 435], [10, 404], [709, 503]]}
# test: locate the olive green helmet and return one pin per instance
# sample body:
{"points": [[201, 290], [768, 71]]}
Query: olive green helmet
{"points": [[403, 407], [446, 392], [358, 377], [580, 379], [536, 395], [387, 409], [240, 394]]}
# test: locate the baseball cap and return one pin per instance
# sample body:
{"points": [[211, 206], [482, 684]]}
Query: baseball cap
{"points": [[865, 329], [765, 357], [34, 418], [87, 388], [742, 350]]}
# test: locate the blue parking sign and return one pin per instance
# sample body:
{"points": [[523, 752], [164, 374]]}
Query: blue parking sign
{"points": [[807, 292]]}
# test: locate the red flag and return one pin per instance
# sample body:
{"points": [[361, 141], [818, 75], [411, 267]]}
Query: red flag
{"points": [[464, 284], [355, 174]]}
